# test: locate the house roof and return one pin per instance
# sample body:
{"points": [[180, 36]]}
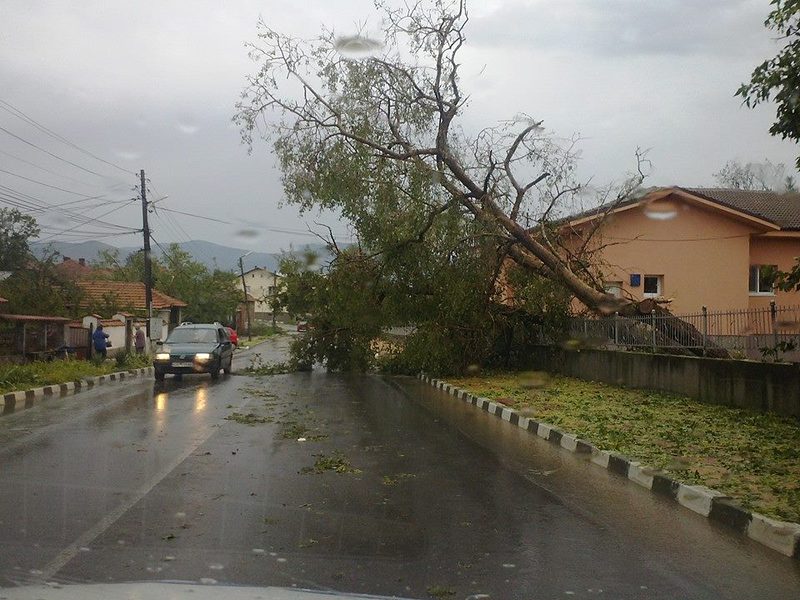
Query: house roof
{"points": [[3, 299], [73, 269], [129, 294], [111, 323], [780, 210]]}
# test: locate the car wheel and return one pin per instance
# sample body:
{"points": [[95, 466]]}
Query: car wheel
{"points": [[215, 372], [229, 369], [159, 375]]}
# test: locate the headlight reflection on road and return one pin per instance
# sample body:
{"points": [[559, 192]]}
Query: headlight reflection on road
{"points": [[200, 398], [161, 401]]}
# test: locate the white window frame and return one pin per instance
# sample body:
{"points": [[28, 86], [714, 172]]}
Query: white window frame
{"points": [[758, 292], [659, 286]]}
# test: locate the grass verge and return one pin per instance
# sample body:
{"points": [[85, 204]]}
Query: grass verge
{"points": [[752, 457], [36, 374]]}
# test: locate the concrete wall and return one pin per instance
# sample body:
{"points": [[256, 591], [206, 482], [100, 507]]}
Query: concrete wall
{"points": [[758, 386]]}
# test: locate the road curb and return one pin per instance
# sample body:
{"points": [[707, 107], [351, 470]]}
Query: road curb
{"points": [[29, 397], [781, 536]]}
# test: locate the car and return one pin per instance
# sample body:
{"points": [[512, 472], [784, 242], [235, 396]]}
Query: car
{"points": [[233, 336], [194, 348]]}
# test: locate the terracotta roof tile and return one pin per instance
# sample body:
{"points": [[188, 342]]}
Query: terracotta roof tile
{"points": [[781, 209], [129, 294], [111, 323], [33, 318]]}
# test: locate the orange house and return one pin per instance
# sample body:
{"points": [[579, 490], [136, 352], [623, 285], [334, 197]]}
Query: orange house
{"points": [[694, 246]]}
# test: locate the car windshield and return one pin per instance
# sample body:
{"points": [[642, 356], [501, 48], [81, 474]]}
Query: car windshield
{"points": [[518, 283], [192, 336]]}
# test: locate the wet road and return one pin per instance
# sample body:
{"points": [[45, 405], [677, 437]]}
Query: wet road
{"points": [[143, 481]]}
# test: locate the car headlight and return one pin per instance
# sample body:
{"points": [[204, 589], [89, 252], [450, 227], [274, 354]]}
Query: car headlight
{"points": [[202, 356], [162, 355]]}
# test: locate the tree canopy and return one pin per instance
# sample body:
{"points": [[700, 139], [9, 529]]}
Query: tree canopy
{"points": [[16, 230], [372, 128]]}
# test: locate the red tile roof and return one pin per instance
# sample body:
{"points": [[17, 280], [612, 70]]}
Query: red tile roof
{"points": [[111, 323], [129, 294], [72, 269]]}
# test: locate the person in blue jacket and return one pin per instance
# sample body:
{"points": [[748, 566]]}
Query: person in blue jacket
{"points": [[99, 338]]}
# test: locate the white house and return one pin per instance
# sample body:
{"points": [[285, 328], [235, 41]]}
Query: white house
{"points": [[262, 284]]}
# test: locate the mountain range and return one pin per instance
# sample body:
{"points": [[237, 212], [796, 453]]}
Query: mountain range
{"points": [[210, 254]]}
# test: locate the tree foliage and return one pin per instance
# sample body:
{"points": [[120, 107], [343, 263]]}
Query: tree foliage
{"points": [[762, 176], [378, 138], [778, 78], [16, 229], [39, 289]]}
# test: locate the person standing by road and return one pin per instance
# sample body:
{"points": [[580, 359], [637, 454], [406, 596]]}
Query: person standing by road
{"points": [[100, 337], [139, 340]]}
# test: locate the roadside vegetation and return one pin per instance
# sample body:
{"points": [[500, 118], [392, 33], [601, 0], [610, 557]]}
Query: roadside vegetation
{"points": [[15, 377], [753, 457]]}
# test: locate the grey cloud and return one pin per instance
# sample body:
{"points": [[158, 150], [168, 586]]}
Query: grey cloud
{"points": [[626, 28]]}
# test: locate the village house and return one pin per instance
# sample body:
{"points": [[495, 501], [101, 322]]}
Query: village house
{"points": [[262, 284], [694, 247]]}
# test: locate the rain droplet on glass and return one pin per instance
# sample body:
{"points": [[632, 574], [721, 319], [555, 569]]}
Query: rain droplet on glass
{"points": [[356, 47]]}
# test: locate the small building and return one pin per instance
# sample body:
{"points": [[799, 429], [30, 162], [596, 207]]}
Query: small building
{"points": [[119, 296], [263, 285], [693, 247], [30, 337]]}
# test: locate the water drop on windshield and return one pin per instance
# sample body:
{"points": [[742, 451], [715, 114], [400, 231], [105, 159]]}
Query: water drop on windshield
{"points": [[660, 210], [356, 47], [128, 154], [247, 233], [188, 128]]}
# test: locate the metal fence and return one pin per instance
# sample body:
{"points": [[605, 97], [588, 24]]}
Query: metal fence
{"points": [[758, 333]]}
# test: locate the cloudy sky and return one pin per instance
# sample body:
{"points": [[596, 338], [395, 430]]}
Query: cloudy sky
{"points": [[152, 85]]}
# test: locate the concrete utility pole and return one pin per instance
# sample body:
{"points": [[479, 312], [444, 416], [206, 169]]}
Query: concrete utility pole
{"points": [[148, 267], [244, 288]]}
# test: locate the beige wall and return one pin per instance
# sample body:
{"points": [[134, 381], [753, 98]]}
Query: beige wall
{"points": [[259, 281], [703, 255], [781, 251]]}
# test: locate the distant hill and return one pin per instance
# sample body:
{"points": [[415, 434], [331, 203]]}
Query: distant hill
{"points": [[210, 254]]}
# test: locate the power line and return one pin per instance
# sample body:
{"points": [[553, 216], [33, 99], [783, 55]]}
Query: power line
{"points": [[34, 204], [55, 187], [21, 115], [46, 170], [116, 208], [56, 156]]}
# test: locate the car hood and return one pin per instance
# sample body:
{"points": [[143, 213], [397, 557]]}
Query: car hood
{"points": [[170, 591], [187, 348]]}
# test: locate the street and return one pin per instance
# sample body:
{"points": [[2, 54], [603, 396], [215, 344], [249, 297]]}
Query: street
{"points": [[338, 482]]}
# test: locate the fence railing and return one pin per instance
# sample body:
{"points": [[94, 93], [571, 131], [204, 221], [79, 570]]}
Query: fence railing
{"points": [[769, 332]]}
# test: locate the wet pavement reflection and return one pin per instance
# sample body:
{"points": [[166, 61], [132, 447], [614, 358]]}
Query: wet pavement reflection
{"points": [[351, 483]]}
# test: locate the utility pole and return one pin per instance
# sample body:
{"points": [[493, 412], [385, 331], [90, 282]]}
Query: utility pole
{"points": [[148, 268], [244, 287]]}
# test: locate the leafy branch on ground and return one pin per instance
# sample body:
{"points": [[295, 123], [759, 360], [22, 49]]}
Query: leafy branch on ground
{"points": [[249, 418], [336, 462], [753, 457]]}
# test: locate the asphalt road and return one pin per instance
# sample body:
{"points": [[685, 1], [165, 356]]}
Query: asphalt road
{"points": [[141, 481]]}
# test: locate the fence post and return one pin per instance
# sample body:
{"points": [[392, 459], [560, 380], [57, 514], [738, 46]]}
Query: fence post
{"points": [[773, 312], [705, 328], [616, 329], [653, 327]]}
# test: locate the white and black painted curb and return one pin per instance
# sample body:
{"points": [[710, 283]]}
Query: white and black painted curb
{"points": [[29, 397], [782, 536]]}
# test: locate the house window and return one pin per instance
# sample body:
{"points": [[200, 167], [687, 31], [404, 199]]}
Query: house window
{"points": [[653, 285], [761, 279], [613, 287]]}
